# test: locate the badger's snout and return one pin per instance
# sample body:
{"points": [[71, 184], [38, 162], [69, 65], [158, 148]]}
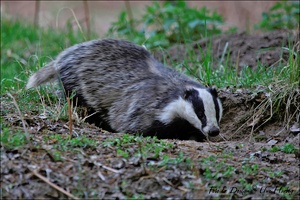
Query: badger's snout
{"points": [[214, 131]]}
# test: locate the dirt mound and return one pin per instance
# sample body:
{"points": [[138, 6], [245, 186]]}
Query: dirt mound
{"points": [[241, 49], [253, 116]]}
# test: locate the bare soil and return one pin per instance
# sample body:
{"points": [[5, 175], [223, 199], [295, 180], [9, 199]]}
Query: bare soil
{"points": [[265, 49], [101, 172]]}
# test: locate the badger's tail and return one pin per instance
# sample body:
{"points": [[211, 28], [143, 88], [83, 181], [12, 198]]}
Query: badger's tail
{"points": [[42, 76]]}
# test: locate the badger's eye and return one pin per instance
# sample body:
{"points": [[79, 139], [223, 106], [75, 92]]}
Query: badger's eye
{"points": [[200, 115], [203, 118]]}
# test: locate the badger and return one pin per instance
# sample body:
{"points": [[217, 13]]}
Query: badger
{"points": [[132, 92]]}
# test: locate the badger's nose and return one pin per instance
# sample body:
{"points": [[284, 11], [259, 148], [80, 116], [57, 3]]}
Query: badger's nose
{"points": [[214, 131]]}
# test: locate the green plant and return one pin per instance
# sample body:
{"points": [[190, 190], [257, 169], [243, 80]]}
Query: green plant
{"points": [[64, 142], [12, 139], [221, 169], [284, 14], [120, 142], [208, 173], [247, 186], [149, 145], [229, 171], [122, 153], [167, 23], [287, 148], [274, 149], [250, 169], [287, 193], [273, 174], [57, 155]]}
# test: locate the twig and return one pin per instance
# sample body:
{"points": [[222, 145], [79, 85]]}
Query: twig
{"points": [[101, 176], [167, 181], [142, 157], [73, 131], [223, 54], [237, 65], [52, 184], [70, 117], [107, 168], [130, 16], [22, 118], [110, 169], [75, 18], [87, 18], [42, 101], [36, 12], [89, 115], [161, 169]]}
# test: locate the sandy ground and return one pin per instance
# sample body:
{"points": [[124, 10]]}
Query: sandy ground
{"points": [[242, 14]]}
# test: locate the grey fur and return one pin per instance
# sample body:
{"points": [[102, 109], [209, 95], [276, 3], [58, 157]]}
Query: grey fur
{"points": [[44, 75], [120, 80]]}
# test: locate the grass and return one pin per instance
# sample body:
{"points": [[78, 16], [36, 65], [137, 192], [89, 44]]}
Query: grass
{"points": [[65, 142], [12, 139], [24, 49], [148, 146], [31, 48], [228, 76], [287, 148]]}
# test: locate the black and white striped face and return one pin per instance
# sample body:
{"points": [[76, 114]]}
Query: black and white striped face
{"points": [[207, 107], [201, 107]]}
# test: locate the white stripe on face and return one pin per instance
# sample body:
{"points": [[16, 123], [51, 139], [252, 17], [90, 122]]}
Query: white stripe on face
{"points": [[209, 109], [220, 110], [180, 108], [184, 109]]}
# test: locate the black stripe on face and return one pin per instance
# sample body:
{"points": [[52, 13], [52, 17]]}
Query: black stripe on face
{"points": [[217, 108], [192, 96], [214, 94]]}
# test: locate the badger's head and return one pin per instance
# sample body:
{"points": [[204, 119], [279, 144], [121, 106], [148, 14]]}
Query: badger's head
{"points": [[201, 107]]}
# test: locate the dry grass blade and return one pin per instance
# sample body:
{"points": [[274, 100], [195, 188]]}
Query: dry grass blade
{"points": [[129, 11], [87, 18], [70, 117], [42, 101], [282, 102], [22, 118], [36, 13], [52, 184], [101, 176], [75, 18], [145, 171]]}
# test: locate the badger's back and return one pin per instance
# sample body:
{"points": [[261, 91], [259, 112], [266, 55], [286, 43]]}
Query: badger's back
{"points": [[109, 72], [98, 70]]}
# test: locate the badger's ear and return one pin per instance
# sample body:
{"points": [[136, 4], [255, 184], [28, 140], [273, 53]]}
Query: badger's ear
{"points": [[213, 91], [188, 93]]}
